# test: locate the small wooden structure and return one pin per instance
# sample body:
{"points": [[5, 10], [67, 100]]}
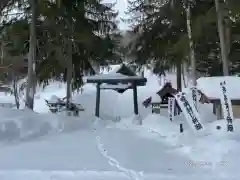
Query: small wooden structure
{"points": [[164, 93], [120, 80], [210, 88]]}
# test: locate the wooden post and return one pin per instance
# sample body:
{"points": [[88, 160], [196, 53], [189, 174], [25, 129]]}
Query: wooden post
{"points": [[214, 108], [218, 111], [97, 108], [181, 128], [176, 108], [135, 100]]}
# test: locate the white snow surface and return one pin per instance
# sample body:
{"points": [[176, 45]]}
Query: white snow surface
{"points": [[113, 76], [156, 98], [210, 86], [44, 146], [117, 86]]}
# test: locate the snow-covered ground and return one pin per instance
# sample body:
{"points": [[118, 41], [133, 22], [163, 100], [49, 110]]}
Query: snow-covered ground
{"points": [[45, 146]]}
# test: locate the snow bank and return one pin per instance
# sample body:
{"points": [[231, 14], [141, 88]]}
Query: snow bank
{"points": [[6, 98], [162, 127], [160, 124], [26, 124], [215, 149]]}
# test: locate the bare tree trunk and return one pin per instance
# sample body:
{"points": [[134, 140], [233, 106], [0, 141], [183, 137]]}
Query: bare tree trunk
{"points": [[183, 75], [228, 38], [2, 53], [30, 90], [224, 54], [15, 89], [69, 74], [228, 25], [191, 48], [179, 75]]}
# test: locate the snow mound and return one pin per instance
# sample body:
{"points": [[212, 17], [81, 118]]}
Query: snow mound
{"points": [[26, 124], [162, 127], [160, 124], [213, 150]]}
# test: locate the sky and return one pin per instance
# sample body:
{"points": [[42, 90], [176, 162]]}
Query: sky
{"points": [[121, 6]]}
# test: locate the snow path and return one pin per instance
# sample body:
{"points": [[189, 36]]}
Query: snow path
{"points": [[131, 174], [98, 175], [69, 156], [144, 154]]}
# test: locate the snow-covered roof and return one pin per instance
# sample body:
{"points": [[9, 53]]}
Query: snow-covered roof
{"points": [[115, 86], [54, 99], [122, 69], [155, 98], [113, 76], [121, 74], [115, 69], [210, 86]]}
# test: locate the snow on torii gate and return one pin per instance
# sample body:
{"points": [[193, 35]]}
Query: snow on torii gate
{"points": [[119, 82]]}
